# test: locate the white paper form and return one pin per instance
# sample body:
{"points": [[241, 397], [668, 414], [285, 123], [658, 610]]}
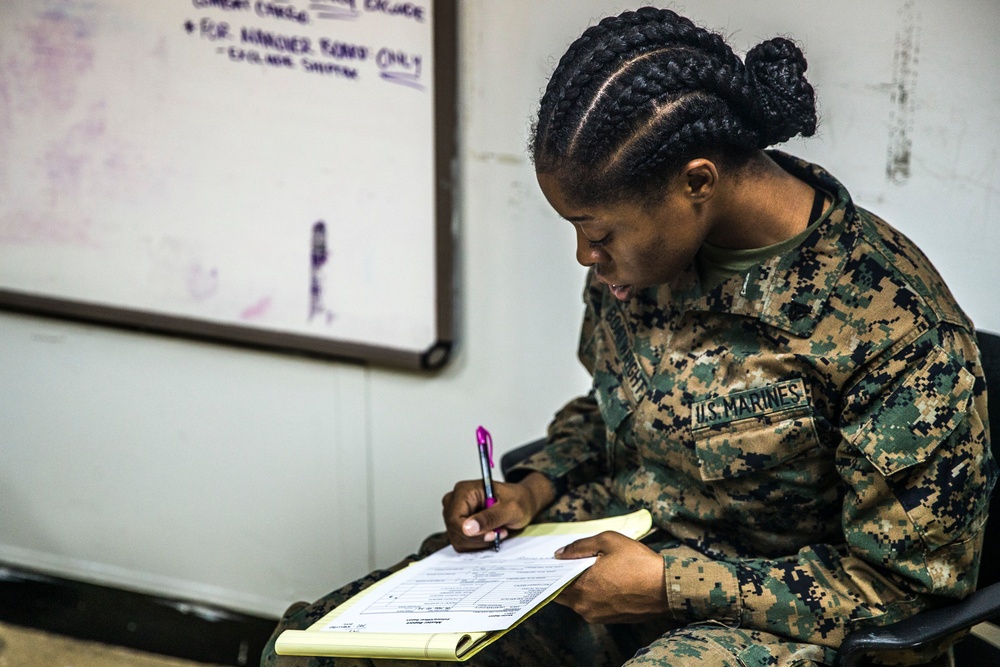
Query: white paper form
{"points": [[461, 592]]}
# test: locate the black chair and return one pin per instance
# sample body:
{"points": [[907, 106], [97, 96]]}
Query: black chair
{"points": [[935, 624]]}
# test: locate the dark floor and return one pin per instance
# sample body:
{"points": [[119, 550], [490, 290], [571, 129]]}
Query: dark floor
{"points": [[27, 647], [115, 617]]}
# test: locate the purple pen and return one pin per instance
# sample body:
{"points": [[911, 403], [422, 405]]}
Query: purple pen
{"points": [[484, 442]]}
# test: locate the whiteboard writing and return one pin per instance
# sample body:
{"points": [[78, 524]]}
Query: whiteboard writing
{"points": [[186, 158], [294, 51]]}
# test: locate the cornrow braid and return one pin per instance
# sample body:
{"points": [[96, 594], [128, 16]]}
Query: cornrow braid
{"points": [[670, 76], [640, 93], [630, 33]]}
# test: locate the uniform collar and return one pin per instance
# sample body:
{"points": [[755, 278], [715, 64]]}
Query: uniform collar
{"points": [[788, 291]]}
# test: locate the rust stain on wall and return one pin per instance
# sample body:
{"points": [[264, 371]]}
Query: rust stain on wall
{"points": [[906, 57]]}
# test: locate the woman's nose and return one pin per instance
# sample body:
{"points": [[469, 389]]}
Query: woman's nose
{"points": [[586, 254]]}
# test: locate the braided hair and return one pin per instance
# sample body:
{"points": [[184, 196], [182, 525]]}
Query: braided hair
{"points": [[639, 94]]}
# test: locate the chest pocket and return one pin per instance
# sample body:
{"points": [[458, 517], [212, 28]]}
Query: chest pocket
{"points": [[753, 430]]}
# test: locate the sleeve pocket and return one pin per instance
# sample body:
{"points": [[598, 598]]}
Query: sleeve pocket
{"points": [[909, 424], [941, 488]]}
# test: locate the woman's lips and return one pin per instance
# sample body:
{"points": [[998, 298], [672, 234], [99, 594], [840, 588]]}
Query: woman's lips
{"points": [[621, 292]]}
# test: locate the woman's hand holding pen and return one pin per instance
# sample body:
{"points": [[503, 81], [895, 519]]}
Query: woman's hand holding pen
{"points": [[472, 527]]}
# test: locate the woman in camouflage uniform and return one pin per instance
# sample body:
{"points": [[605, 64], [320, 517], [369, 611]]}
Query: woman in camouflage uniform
{"points": [[780, 377]]}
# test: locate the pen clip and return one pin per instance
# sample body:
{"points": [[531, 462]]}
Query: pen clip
{"points": [[483, 437]]}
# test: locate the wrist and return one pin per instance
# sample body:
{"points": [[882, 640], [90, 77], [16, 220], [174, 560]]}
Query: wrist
{"points": [[540, 490]]}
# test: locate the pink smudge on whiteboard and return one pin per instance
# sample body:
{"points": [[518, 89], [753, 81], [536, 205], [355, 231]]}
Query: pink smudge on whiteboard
{"points": [[67, 156], [59, 52], [42, 76], [6, 125], [257, 310], [26, 227]]}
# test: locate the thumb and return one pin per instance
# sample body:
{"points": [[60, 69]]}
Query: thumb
{"points": [[483, 522], [588, 547]]}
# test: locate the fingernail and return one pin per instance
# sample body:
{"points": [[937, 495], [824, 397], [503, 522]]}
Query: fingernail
{"points": [[471, 527], [560, 550]]}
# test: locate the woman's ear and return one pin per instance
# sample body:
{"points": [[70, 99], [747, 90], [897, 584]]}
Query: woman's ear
{"points": [[700, 179]]}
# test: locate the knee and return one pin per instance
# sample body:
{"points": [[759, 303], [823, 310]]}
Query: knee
{"points": [[268, 657], [711, 645]]}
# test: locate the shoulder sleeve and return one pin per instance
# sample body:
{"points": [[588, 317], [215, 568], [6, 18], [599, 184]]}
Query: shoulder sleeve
{"points": [[916, 459]]}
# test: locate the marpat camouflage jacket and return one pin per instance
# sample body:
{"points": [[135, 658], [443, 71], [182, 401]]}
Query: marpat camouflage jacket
{"points": [[814, 435]]}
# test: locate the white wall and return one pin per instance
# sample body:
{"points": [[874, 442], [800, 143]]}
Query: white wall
{"points": [[252, 479]]}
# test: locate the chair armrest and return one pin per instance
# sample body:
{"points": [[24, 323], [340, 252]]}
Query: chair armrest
{"points": [[921, 629], [518, 454]]}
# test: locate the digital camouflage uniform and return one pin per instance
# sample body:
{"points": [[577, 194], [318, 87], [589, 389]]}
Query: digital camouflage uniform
{"points": [[810, 439]]}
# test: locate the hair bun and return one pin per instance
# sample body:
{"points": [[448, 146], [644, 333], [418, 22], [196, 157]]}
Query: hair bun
{"points": [[784, 102]]}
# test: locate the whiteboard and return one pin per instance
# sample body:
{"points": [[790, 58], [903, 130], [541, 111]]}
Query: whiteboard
{"points": [[272, 173]]}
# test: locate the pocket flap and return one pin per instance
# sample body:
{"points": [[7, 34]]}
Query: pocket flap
{"points": [[908, 425], [753, 445]]}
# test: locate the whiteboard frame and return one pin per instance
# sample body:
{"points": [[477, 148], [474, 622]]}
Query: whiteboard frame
{"points": [[445, 37]]}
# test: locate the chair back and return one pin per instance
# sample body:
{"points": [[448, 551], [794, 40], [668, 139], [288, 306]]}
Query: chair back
{"points": [[989, 348]]}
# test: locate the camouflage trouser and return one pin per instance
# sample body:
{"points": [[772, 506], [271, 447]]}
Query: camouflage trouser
{"points": [[556, 635]]}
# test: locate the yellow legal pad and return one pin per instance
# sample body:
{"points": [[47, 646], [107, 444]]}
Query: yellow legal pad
{"points": [[496, 592]]}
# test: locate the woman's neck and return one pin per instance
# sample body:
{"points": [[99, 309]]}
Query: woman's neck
{"points": [[762, 206]]}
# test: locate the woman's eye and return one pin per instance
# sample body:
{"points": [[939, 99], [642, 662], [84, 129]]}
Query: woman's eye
{"points": [[597, 243]]}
